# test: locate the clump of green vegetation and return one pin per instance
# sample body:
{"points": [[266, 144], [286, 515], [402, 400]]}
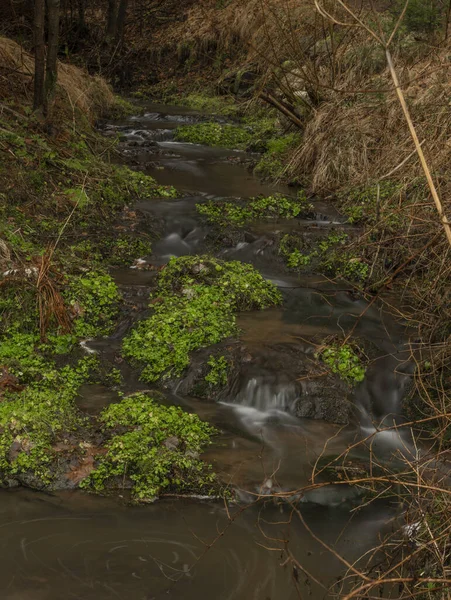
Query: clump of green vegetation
{"points": [[214, 134], [32, 420], [224, 214], [343, 360], [219, 367], [124, 183], [330, 257], [157, 449], [273, 164], [121, 108], [124, 249], [94, 298], [277, 206], [193, 307]]}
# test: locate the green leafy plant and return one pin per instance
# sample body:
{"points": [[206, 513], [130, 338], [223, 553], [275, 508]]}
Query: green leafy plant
{"points": [[193, 307], [217, 375], [32, 420], [94, 297], [344, 361], [277, 206], [157, 449], [214, 134]]}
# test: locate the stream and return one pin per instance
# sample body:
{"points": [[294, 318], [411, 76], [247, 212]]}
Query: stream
{"points": [[73, 545]]}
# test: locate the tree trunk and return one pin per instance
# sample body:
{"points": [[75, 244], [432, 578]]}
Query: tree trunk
{"points": [[51, 74], [81, 16], [39, 54], [111, 20], [121, 16]]}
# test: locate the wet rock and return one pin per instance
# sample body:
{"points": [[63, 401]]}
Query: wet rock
{"points": [[267, 377], [172, 443]]}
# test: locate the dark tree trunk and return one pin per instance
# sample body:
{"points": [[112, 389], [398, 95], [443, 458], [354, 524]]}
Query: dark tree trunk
{"points": [[121, 16], [39, 54], [81, 16], [51, 74], [111, 20]]}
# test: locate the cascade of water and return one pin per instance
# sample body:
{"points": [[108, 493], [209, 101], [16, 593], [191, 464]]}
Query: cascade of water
{"points": [[266, 394]]}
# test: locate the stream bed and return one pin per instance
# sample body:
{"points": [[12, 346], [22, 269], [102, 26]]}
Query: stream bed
{"points": [[73, 545]]}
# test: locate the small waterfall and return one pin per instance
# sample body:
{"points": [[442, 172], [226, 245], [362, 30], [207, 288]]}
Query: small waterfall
{"points": [[267, 394]]}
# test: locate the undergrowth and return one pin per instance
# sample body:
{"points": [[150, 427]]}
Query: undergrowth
{"points": [[329, 256]]}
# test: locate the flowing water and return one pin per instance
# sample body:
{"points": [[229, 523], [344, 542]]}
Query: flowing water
{"points": [[71, 545]]}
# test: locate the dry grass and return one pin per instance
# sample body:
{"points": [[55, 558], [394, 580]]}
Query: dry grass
{"points": [[76, 89]]}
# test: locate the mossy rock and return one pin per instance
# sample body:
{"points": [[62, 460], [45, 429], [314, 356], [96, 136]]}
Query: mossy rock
{"points": [[194, 306]]}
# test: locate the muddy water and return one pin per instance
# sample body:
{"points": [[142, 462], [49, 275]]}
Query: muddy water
{"points": [[71, 545]]}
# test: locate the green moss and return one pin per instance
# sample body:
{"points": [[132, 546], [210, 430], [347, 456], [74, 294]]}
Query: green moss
{"points": [[344, 361], [31, 421], [194, 307], [94, 297], [157, 449], [273, 163], [277, 206], [121, 108], [214, 134]]}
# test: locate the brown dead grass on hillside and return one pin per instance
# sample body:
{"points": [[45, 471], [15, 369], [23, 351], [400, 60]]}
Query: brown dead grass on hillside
{"points": [[76, 89]]}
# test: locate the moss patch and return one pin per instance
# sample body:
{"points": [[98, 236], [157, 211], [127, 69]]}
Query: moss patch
{"points": [[273, 163], [155, 448], [194, 306]]}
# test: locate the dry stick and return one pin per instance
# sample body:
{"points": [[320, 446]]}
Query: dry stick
{"points": [[281, 108], [418, 147], [402, 100]]}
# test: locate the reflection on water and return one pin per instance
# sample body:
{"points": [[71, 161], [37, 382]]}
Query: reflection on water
{"points": [[82, 547]]}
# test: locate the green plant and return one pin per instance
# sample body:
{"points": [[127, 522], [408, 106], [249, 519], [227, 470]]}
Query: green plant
{"points": [[194, 306], [214, 134], [277, 206], [364, 203], [272, 164], [344, 361], [32, 420], [217, 374], [94, 299], [223, 105], [421, 15], [157, 449]]}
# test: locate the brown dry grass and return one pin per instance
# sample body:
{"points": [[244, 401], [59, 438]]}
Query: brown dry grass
{"points": [[76, 88]]}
